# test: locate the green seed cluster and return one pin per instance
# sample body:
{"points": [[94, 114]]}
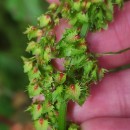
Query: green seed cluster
{"points": [[49, 86]]}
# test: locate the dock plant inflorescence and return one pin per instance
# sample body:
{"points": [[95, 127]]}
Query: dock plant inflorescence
{"points": [[50, 88]]}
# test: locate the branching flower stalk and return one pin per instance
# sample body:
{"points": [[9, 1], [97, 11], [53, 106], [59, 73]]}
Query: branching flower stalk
{"points": [[50, 88]]}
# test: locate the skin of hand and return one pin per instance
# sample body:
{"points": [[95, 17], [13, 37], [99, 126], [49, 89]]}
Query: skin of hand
{"points": [[108, 107]]}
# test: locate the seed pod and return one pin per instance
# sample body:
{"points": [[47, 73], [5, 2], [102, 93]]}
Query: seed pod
{"points": [[47, 54], [73, 92], [34, 74], [36, 111], [83, 45], [60, 78], [41, 124], [102, 72], [52, 6], [34, 90], [47, 107], [28, 65], [33, 32], [31, 46], [44, 20], [77, 5]]}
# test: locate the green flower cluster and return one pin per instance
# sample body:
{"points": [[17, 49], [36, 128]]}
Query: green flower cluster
{"points": [[80, 65]]}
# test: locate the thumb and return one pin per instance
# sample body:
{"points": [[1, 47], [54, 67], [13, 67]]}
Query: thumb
{"points": [[107, 124], [114, 39]]}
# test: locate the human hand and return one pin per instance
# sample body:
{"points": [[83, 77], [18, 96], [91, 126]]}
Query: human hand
{"points": [[108, 107]]}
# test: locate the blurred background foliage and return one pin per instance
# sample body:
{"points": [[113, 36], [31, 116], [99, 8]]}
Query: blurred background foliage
{"points": [[15, 16]]}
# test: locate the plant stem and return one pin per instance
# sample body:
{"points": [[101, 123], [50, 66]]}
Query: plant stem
{"points": [[123, 67], [62, 116], [84, 30], [112, 53]]}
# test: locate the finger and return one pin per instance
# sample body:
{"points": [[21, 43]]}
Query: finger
{"points": [[107, 124], [59, 30], [58, 64], [114, 39], [53, 1], [109, 98]]}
